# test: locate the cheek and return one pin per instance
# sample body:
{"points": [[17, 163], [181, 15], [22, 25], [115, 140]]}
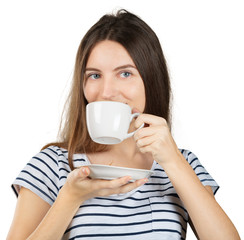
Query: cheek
{"points": [[90, 93], [137, 95]]}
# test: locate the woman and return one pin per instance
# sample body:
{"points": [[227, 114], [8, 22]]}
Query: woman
{"points": [[119, 59]]}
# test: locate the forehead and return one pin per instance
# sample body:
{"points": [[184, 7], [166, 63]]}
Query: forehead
{"points": [[109, 53]]}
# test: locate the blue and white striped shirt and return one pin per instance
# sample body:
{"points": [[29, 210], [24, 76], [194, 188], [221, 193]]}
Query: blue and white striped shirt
{"points": [[152, 211]]}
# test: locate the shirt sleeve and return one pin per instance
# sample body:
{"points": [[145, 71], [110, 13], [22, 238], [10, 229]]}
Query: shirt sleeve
{"points": [[40, 175], [203, 175]]}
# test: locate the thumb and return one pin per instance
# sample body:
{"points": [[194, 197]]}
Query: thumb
{"points": [[83, 172]]}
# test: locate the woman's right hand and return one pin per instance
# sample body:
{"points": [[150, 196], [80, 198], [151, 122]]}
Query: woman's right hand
{"points": [[80, 187]]}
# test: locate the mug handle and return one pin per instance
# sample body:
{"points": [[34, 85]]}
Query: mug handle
{"points": [[132, 133]]}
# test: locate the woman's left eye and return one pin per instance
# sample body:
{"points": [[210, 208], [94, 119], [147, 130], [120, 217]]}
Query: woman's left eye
{"points": [[125, 74]]}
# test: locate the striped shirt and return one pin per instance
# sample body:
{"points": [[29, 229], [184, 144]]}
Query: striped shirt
{"points": [[152, 211]]}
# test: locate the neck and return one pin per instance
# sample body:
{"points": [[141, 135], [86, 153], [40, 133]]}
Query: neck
{"points": [[128, 148], [124, 154], [130, 154]]}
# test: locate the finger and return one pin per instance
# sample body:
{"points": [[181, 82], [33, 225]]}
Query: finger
{"points": [[146, 149], [111, 184], [116, 183], [149, 119], [127, 187], [78, 174], [83, 172], [122, 188], [130, 186], [144, 132], [146, 141]]}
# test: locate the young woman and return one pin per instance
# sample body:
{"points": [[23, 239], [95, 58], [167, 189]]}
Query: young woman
{"points": [[119, 59]]}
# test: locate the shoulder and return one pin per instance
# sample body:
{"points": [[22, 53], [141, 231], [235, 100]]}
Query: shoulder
{"points": [[59, 156], [41, 175], [54, 152], [189, 156], [49, 157], [200, 170]]}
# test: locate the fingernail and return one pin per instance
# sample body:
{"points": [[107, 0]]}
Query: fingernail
{"points": [[129, 178], [144, 181], [84, 170]]}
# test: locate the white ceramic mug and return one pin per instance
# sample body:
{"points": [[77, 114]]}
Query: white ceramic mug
{"points": [[108, 122]]}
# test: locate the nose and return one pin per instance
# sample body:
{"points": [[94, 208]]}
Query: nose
{"points": [[109, 89]]}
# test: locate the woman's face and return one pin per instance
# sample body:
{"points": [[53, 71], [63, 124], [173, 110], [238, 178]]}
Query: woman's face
{"points": [[111, 75]]}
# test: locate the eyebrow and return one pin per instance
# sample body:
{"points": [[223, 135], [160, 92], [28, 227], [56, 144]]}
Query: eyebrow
{"points": [[116, 69]]}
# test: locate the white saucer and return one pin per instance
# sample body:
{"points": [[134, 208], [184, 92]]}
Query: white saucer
{"points": [[98, 171]]}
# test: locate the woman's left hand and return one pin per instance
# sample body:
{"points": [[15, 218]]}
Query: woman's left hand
{"points": [[155, 139]]}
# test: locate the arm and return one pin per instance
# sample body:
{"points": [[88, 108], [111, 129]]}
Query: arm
{"points": [[209, 189], [36, 219], [209, 220], [33, 217], [30, 209]]}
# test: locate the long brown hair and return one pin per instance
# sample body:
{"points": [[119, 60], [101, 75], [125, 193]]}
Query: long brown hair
{"points": [[145, 50]]}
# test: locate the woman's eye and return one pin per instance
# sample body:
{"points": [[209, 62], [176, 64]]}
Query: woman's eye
{"points": [[94, 76], [125, 74]]}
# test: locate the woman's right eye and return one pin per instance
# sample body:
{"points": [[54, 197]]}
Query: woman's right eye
{"points": [[93, 76]]}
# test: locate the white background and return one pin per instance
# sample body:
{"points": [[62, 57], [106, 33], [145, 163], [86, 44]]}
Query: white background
{"points": [[204, 45]]}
